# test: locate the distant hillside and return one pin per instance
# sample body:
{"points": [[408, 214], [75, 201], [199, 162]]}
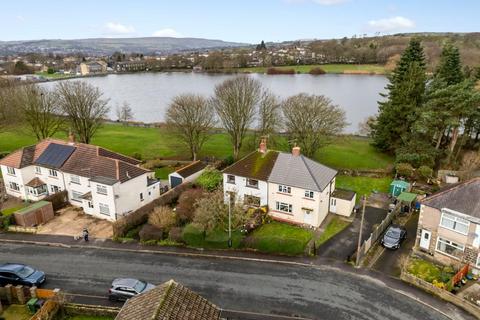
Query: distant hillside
{"points": [[106, 46]]}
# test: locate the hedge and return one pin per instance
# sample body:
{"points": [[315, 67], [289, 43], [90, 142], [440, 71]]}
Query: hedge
{"points": [[140, 216], [58, 200]]}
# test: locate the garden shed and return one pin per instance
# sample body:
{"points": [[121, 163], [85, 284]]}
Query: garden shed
{"points": [[342, 202], [35, 214], [188, 173], [398, 186], [407, 200]]}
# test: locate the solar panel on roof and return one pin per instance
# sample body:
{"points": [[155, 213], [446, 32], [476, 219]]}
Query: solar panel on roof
{"points": [[55, 155]]}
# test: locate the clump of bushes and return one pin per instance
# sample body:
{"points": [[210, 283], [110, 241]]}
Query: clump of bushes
{"points": [[185, 209], [317, 71], [162, 218], [280, 71], [425, 172], [149, 233], [404, 170], [210, 179]]}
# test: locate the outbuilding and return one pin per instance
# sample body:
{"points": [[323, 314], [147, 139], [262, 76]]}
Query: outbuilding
{"points": [[35, 214], [342, 202], [398, 186], [187, 173]]}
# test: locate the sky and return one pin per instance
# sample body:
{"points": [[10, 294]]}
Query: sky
{"points": [[247, 21]]}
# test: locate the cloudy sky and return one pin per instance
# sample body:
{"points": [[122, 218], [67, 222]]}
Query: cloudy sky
{"points": [[232, 20]]}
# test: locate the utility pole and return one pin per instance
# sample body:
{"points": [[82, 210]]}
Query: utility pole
{"points": [[357, 262], [230, 221]]}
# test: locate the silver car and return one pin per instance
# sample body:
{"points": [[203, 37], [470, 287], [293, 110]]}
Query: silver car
{"points": [[123, 289]]}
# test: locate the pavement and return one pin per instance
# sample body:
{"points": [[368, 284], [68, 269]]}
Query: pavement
{"points": [[255, 288], [389, 262], [344, 244]]}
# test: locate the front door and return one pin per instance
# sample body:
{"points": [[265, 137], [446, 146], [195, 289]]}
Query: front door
{"points": [[333, 205], [308, 217], [425, 239]]}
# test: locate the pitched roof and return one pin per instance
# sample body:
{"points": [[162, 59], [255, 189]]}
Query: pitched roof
{"points": [[302, 172], [35, 182], [84, 160], [256, 165], [191, 168], [170, 301], [462, 197]]}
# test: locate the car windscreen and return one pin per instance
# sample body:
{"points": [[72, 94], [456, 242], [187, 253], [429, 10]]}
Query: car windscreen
{"points": [[139, 286], [25, 272], [393, 233]]}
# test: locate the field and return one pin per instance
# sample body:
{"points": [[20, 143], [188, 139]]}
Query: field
{"points": [[363, 185], [54, 75], [344, 152], [329, 68]]}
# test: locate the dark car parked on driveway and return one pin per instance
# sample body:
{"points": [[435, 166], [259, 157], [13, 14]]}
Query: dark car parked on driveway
{"points": [[393, 238], [20, 274], [124, 288]]}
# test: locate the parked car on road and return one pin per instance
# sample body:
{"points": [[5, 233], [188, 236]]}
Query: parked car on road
{"points": [[123, 289], [20, 274], [393, 238]]}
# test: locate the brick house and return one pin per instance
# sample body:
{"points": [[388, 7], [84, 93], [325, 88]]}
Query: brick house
{"points": [[449, 224]]}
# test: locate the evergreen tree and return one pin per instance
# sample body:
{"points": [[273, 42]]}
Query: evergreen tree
{"points": [[404, 99], [450, 68], [261, 46]]}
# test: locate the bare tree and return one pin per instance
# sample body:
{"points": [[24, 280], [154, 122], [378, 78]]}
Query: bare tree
{"points": [[236, 101], [192, 118], [9, 91], [40, 111], [84, 107], [311, 119], [269, 115], [124, 112]]}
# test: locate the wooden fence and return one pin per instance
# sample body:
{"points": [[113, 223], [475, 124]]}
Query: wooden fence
{"points": [[377, 232]]}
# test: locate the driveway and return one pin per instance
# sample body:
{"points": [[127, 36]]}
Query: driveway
{"points": [[344, 244], [390, 261], [70, 221]]}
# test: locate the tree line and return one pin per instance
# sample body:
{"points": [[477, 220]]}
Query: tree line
{"points": [[429, 120], [241, 105]]}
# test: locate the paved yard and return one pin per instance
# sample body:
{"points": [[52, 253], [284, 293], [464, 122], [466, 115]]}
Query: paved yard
{"points": [[71, 222]]}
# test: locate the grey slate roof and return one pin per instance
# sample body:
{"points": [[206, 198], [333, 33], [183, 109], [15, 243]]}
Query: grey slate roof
{"points": [[301, 172], [463, 197]]}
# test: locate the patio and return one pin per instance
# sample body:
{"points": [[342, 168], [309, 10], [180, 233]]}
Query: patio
{"points": [[70, 221]]}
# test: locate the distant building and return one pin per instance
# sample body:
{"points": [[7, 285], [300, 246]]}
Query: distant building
{"points": [[92, 67], [130, 66]]}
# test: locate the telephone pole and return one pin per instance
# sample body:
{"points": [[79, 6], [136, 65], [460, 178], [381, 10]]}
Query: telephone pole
{"points": [[357, 262]]}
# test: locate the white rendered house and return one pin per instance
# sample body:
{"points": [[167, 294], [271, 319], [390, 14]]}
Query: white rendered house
{"points": [[105, 184]]}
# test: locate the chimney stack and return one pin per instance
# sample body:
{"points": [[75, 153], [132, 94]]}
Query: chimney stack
{"points": [[263, 146], [71, 138], [296, 151]]}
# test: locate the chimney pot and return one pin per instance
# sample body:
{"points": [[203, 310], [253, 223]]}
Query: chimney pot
{"points": [[71, 138], [296, 151], [263, 146]]}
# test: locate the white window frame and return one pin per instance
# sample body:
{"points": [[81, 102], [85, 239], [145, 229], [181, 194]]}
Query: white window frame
{"points": [[449, 243], [100, 188], [230, 178], [284, 189], [309, 194], [102, 207], [11, 170], [38, 170], [75, 179], [76, 196], [53, 187], [253, 185], [456, 220], [14, 186], [281, 207], [52, 173]]}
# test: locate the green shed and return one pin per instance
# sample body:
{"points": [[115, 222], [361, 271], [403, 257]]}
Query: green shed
{"points": [[398, 186]]}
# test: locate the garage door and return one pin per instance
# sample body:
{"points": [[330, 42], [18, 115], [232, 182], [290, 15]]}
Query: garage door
{"points": [[175, 181]]}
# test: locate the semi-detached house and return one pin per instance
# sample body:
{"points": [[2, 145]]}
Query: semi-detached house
{"points": [[105, 184], [295, 188]]}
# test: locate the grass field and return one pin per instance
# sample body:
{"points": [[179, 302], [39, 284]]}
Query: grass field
{"points": [[363, 185], [280, 238], [345, 152], [217, 239], [329, 68], [54, 75]]}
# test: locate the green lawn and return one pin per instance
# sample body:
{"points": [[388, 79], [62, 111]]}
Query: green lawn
{"points": [[329, 68], [217, 239], [348, 152], [279, 238], [54, 75], [9, 211], [428, 271], [363, 185], [335, 226], [163, 172]]}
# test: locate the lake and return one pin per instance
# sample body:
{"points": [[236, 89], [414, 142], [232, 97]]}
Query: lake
{"points": [[150, 93]]}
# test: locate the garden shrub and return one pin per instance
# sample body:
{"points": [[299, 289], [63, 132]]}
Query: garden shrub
{"points": [[185, 209], [404, 169], [280, 71], [210, 179], [149, 232], [175, 234], [425, 172], [317, 71], [133, 233], [58, 200], [163, 218]]}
